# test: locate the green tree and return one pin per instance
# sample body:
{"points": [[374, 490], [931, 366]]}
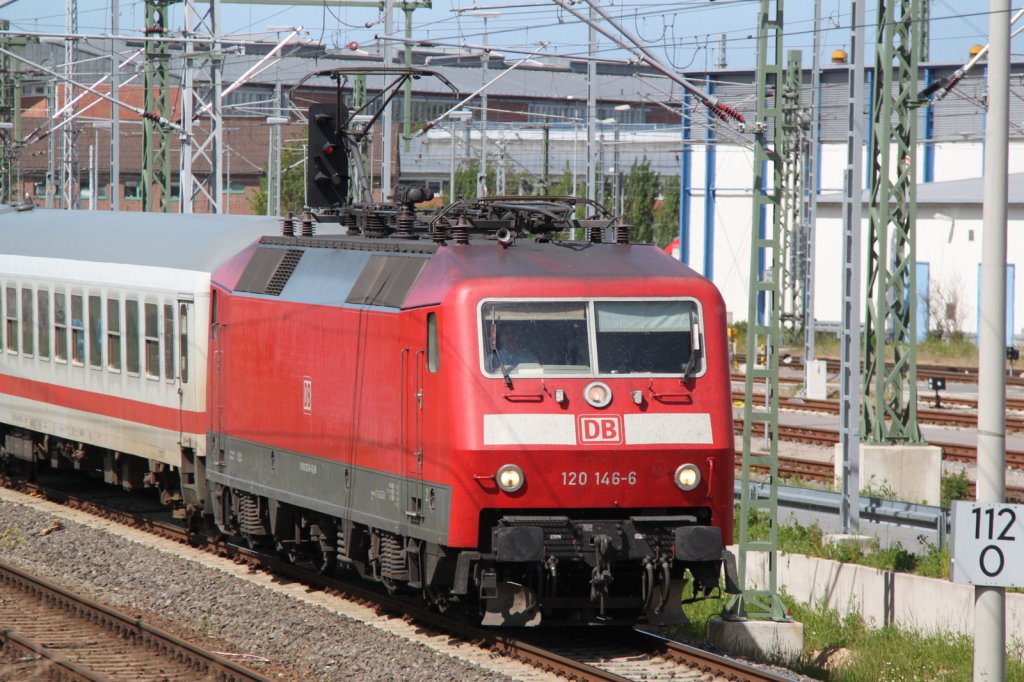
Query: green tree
{"points": [[666, 216], [465, 179], [640, 189], [293, 181]]}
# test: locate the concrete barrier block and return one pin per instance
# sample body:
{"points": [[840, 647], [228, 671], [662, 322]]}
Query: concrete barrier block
{"points": [[758, 638], [912, 473]]}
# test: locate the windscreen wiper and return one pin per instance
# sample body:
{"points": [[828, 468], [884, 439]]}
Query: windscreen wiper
{"points": [[691, 362], [501, 362]]}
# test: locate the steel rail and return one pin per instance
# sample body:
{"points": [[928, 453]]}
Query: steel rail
{"points": [[205, 663], [712, 663], [926, 415]]}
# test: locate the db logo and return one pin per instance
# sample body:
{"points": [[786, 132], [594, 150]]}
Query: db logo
{"points": [[599, 429], [307, 395]]}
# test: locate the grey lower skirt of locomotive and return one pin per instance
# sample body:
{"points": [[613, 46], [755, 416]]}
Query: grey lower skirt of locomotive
{"points": [[560, 569]]}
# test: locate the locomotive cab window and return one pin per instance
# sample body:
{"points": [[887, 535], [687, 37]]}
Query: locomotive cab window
{"points": [[603, 337]]}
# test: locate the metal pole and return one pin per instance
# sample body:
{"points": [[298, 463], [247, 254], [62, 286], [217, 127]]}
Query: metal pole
{"points": [[849, 350], [451, 177], [591, 108], [115, 112], [810, 188], [617, 199], [92, 172], [389, 128], [990, 602], [481, 178]]}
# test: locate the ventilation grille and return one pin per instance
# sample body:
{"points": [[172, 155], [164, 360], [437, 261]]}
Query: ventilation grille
{"points": [[269, 271], [283, 272]]}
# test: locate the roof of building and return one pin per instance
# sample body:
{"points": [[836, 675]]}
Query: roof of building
{"points": [[969, 191]]}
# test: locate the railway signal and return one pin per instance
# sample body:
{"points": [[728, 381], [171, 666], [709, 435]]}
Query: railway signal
{"points": [[327, 167]]}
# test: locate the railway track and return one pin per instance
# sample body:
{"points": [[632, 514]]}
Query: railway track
{"points": [[824, 472], [968, 375], [932, 416], [51, 633], [594, 660]]}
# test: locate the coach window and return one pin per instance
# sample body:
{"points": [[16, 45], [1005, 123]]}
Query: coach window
{"points": [[131, 330], [77, 330], [43, 320], [60, 326], [11, 309], [183, 341], [114, 335], [28, 327], [95, 332], [152, 341], [169, 342], [432, 350]]}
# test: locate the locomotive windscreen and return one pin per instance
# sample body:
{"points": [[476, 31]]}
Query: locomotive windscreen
{"points": [[590, 337]]}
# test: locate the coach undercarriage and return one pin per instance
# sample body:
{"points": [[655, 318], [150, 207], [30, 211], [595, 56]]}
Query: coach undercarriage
{"points": [[28, 451]]}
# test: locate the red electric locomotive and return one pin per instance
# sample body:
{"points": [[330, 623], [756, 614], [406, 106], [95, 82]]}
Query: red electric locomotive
{"points": [[493, 416]]}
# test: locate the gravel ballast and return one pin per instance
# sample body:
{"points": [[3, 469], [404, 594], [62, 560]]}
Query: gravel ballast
{"points": [[303, 641]]}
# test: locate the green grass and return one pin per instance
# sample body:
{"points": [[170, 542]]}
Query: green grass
{"points": [[958, 351], [844, 649], [809, 541]]}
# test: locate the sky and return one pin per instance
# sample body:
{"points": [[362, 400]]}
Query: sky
{"points": [[684, 34]]}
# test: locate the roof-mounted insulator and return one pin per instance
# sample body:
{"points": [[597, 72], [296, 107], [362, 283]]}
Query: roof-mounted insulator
{"points": [[288, 225], [405, 223], [439, 231], [622, 230], [461, 231], [596, 235], [307, 224], [351, 223]]}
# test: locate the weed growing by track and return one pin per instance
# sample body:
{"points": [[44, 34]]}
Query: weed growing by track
{"points": [[809, 540], [844, 649]]}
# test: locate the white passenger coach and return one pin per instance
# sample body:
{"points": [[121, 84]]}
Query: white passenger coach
{"points": [[105, 334]]}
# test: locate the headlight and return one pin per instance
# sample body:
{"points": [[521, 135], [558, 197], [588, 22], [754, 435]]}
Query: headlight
{"points": [[598, 394], [510, 478], [687, 477]]}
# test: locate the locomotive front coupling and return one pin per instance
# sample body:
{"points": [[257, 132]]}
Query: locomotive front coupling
{"points": [[637, 563]]}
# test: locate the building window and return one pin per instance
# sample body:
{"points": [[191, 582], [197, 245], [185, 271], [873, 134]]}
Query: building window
{"points": [[28, 327], [133, 190], [152, 341], [84, 190], [234, 187]]}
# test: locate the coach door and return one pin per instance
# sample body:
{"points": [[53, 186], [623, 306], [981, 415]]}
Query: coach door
{"points": [[188, 398]]}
